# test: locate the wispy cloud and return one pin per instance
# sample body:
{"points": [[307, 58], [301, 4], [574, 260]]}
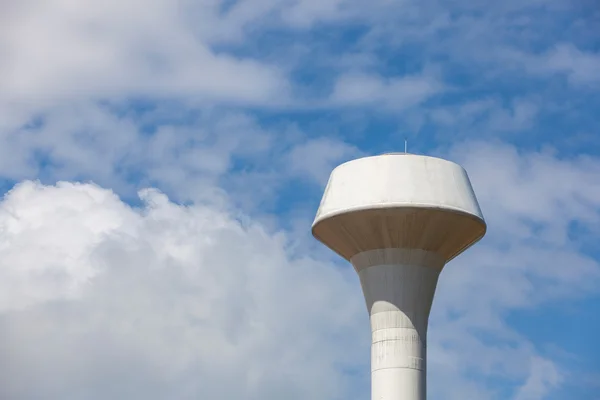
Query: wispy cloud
{"points": [[578, 66], [392, 94], [316, 158], [59, 51]]}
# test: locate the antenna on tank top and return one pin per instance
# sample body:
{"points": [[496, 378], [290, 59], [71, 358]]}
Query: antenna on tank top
{"points": [[399, 152]]}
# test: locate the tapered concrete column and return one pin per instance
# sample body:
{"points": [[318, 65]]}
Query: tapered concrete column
{"points": [[398, 285]]}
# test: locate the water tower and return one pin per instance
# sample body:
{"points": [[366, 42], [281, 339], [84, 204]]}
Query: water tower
{"points": [[399, 218]]}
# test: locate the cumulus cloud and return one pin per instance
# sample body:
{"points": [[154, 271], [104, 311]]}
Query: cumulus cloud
{"points": [[164, 301], [50, 218]]}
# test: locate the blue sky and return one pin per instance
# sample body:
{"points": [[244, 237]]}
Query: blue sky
{"points": [[162, 162]]}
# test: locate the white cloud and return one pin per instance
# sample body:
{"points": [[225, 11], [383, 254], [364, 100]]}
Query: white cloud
{"points": [[529, 257], [579, 66], [542, 379], [316, 158], [393, 93], [194, 160], [61, 50], [487, 42], [487, 116], [531, 254], [102, 300], [304, 13], [93, 141], [50, 218], [523, 192]]}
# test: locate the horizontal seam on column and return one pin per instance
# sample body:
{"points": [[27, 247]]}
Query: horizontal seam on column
{"points": [[391, 340], [393, 327], [381, 369], [434, 267]]}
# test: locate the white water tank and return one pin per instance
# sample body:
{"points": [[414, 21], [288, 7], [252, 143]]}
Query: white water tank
{"points": [[399, 218]]}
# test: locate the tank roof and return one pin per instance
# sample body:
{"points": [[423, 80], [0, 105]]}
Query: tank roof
{"points": [[382, 202]]}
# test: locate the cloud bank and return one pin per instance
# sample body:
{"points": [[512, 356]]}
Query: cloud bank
{"points": [[163, 301], [100, 298]]}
